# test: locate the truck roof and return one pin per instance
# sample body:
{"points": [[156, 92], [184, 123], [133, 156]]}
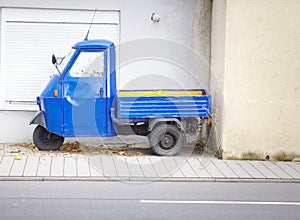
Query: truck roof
{"points": [[97, 44]]}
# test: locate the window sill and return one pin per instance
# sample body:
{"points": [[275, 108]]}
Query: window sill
{"points": [[31, 108]]}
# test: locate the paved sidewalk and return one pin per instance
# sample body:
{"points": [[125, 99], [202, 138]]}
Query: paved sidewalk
{"points": [[143, 168]]}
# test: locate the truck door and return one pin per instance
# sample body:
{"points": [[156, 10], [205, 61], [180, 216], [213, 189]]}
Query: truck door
{"points": [[84, 103]]}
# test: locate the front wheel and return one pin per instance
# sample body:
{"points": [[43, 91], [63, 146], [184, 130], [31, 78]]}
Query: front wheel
{"points": [[45, 140], [166, 140]]}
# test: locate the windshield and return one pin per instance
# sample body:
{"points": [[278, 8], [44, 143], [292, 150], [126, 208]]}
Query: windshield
{"points": [[65, 60], [88, 64]]}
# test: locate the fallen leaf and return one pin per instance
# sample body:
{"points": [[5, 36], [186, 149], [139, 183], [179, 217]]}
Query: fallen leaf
{"points": [[110, 152], [17, 158], [15, 151]]}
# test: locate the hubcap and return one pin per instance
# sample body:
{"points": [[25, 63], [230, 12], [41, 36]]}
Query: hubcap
{"points": [[167, 141], [48, 136]]}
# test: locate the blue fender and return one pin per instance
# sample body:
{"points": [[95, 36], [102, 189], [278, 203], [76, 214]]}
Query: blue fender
{"points": [[38, 119]]}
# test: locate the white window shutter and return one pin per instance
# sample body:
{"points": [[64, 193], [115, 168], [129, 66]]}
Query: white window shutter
{"points": [[29, 43]]}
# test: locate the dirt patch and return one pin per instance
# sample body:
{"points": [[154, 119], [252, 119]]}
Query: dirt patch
{"points": [[76, 148]]}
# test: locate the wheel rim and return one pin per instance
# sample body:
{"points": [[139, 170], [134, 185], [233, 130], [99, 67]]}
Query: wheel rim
{"points": [[167, 141], [48, 137]]}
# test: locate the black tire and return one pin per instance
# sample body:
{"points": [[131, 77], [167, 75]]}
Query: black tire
{"points": [[45, 140], [166, 140]]}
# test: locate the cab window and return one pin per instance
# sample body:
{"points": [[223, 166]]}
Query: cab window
{"points": [[88, 64]]}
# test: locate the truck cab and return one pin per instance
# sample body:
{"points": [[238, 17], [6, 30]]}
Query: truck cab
{"points": [[82, 100]]}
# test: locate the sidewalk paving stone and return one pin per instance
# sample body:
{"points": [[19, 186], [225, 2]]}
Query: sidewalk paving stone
{"points": [[294, 165], [70, 166], [96, 166], [121, 167], [31, 166], [134, 167], [6, 165], [172, 167], [224, 169], [159, 167], [57, 166], [185, 167], [254, 173], [264, 169], [212, 169], [277, 170], [18, 167], [147, 167], [44, 166], [108, 165], [198, 168], [83, 167], [238, 170], [289, 169]]}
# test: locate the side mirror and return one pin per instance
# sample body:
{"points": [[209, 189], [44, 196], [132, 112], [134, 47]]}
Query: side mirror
{"points": [[59, 60], [53, 59], [54, 62]]}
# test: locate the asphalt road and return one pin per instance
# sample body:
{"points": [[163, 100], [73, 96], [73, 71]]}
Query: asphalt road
{"points": [[124, 200]]}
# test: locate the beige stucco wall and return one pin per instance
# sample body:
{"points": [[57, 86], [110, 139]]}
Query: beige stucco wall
{"points": [[217, 61], [261, 76]]}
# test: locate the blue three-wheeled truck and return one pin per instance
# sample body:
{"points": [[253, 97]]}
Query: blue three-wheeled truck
{"points": [[82, 100]]}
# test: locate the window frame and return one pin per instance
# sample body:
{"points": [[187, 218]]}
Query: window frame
{"points": [[66, 73]]}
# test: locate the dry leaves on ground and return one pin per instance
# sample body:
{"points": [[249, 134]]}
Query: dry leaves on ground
{"points": [[75, 148]]}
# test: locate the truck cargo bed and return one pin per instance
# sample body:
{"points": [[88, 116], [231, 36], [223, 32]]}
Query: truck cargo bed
{"points": [[163, 103]]}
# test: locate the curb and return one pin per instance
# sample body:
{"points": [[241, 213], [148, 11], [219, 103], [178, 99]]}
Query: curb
{"points": [[143, 179]]}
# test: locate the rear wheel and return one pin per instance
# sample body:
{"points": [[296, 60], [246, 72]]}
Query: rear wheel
{"points": [[166, 140], [45, 140]]}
